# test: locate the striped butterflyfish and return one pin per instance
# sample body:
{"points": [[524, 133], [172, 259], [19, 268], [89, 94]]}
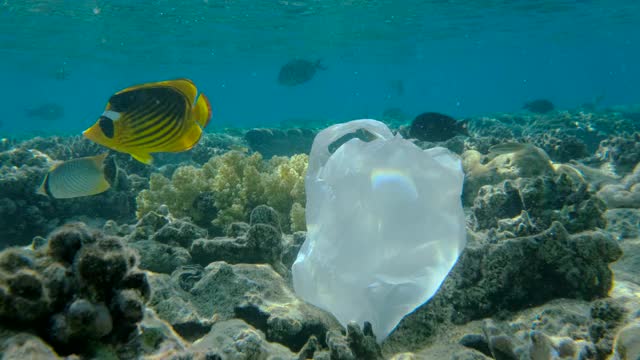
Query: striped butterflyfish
{"points": [[165, 116], [83, 176]]}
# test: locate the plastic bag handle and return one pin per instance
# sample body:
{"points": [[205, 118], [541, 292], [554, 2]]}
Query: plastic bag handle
{"points": [[320, 148]]}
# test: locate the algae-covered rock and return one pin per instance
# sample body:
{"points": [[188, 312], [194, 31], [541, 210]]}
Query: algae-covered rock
{"points": [[158, 257], [251, 292], [514, 274], [622, 151], [179, 233], [544, 199], [82, 286], [624, 194], [627, 341], [277, 142], [235, 339], [26, 346], [625, 223]]}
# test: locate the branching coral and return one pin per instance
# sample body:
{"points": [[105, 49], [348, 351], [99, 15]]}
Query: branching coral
{"points": [[236, 185], [232, 184], [284, 185], [178, 193]]}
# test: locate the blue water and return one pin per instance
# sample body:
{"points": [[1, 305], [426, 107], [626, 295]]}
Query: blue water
{"points": [[452, 57]]}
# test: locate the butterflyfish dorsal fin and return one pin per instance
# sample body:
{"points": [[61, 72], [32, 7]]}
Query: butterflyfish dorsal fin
{"points": [[42, 189], [186, 87]]}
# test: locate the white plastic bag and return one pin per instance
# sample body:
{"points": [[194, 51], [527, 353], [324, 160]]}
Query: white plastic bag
{"points": [[385, 225]]}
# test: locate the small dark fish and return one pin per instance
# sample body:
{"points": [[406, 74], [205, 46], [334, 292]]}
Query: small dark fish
{"points": [[540, 106], [298, 71], [46, 112], [432, 126]]}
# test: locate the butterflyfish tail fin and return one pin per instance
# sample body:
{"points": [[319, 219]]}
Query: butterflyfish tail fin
{"points": [[202, 111], [42, 189]]}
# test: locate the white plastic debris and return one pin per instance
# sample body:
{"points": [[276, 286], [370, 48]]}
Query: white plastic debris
{"points": [[385, 225]]}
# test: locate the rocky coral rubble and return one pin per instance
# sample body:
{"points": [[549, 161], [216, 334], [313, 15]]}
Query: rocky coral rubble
{"points": [[192, 296], [166, 243], [560, 330], [515, 274], [526, 206], [585, 127], [625, 194], [278, 142], [78, 288], [623, 152]]}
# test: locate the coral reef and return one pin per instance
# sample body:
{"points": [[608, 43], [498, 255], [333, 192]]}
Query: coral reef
{"points": [[218, 228], [262, 243], [251, 292], [530, 162], [277, 142], [80, 287], [621, 151], [25, 214], [527, 206], [227, 188], [624, 223], [514, 274], [559, 146], [623, 194], [587, 127], [588, 334]]}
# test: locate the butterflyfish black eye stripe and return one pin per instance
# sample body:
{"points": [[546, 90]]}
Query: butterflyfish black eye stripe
{"points": [[106, 125]]}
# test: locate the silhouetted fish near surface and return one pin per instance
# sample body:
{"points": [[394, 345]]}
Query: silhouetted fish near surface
{"points": [[540, 106], [84, 176], [46, 112], [298, 71], [164, 116]]}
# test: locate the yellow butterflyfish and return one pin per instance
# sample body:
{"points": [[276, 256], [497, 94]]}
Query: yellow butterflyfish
{"points": [[165, 116]]}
